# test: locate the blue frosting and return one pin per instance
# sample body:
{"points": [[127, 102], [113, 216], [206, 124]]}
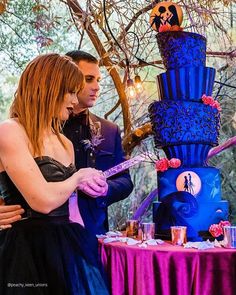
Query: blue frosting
{"points": [[210, 183], [182, 49], [172, 212], [186, 83], [183, 122], [191, 155], [198, 211]]}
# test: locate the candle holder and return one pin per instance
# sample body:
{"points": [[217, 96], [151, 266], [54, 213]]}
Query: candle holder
{"points": [[230, 236], [132, 228], [148, 230], [178, 235]]}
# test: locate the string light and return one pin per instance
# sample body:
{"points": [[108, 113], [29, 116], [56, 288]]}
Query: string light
{"points": [[134, 87], [138, 84], [130, 90]]}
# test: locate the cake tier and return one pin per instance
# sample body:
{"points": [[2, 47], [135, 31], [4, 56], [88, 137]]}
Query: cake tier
{"points": [[190, 197], [183, 122], [182, 49], [186, 83], [191, 155], [203, 183], [166, 214]]}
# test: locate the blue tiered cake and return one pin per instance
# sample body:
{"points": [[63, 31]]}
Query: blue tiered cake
{"points": [[186, 128]]}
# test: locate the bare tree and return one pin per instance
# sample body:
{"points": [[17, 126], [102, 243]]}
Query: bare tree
{"points": [[121, 34]]}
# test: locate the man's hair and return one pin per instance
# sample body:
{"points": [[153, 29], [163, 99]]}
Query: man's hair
{"points": [[40, 95], [79, 55]]}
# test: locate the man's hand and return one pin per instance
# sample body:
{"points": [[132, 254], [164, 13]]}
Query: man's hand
{"points": [[100, 192], [103, 191], [9, 214], [93, 182]]}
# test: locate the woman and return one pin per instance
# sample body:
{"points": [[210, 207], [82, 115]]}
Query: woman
{"points": [[45, 253]]}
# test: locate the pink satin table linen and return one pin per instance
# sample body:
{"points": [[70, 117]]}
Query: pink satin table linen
{"points": [[169, 270]]}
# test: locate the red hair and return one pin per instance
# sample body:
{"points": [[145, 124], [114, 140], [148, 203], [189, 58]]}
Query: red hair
{"points": [[40, 95]]}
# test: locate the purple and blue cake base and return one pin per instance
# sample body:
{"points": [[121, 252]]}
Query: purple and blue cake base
{"points": [[190, 197]]}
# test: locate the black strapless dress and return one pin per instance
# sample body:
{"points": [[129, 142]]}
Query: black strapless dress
{"points": [[47, 254]]}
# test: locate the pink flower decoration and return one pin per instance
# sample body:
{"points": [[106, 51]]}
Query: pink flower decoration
{"points": [[162, 165], [167, 27], [216, 105], [216, 230], [164, 28], [224, 223], [208, 100], [174, 163]]}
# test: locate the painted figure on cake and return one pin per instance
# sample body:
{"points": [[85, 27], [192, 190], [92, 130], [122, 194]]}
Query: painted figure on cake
{"points": [[188, 184]]}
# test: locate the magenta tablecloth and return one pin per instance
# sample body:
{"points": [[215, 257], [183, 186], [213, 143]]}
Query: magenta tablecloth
{"points": [[166, 269]]}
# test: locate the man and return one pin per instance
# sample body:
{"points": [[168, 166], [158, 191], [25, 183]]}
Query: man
{"points": [[97, 143]]}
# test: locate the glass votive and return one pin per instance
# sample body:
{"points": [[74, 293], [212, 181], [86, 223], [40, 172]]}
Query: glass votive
{"points": [[148, 230], [230, 236], [132, 228], [178, 235]]}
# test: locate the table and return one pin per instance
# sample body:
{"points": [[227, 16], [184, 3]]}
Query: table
{"points": [[166, 269]]}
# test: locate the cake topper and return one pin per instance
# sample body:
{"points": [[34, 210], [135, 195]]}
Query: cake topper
{"points": [[166, 16]]}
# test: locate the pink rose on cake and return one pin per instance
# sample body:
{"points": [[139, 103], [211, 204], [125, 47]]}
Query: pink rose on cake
{"points": [[216, 105], [163, 164], [209, 100], [174, 163], [168, 27], [164, 28]]}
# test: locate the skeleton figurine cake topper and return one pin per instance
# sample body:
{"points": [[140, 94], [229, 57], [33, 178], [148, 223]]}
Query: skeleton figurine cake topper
{"points": [[166, 16]]}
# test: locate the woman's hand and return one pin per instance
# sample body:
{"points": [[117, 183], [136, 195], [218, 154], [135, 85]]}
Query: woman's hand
{"points": [[92, 182], [9, 214]]}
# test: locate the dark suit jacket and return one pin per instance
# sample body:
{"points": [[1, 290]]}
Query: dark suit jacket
{"points": [[109, 153]]}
